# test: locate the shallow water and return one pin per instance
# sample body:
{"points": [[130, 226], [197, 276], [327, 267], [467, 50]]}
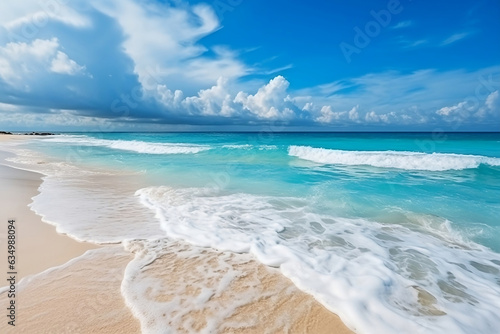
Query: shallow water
{"points": [[395, 233]]}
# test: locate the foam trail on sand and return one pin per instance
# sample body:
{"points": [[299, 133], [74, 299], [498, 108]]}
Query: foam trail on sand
{"points": [[201, 290]]}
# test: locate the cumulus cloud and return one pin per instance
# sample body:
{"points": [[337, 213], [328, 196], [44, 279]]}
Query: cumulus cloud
{"points": [[469, 109], [493, 101], [372, 117], [63, 65], [353, 113], [327, 115], [215, 101], [491, 106], [447, 111], [170, 99], [409, 99], [270, 101]]}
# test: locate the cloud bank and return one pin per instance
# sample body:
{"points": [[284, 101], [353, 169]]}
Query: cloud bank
{"points": [[121, 63]]}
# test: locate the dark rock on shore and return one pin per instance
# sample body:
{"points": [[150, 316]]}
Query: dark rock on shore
{"points": [[28, 133], [40, 134]]}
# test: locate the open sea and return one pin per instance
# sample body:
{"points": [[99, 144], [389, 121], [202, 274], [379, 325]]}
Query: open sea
{"points": [[396, 233]]}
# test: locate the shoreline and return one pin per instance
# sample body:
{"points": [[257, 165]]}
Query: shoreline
{"points": [[52, 266], [84, 293], [40, 246]]}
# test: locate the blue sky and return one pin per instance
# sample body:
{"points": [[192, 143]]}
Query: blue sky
{"points": [[143, 65]]}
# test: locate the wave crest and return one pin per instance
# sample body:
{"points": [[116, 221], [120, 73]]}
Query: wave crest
{"points": [[392, 159], [134, 145]]}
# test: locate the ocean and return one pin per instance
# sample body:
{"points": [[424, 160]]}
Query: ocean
{"points": [[394, 232]]}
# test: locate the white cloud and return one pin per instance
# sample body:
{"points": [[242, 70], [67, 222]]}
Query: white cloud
{"points": [[327, 115], [493, 101], [473, 108], [208, 70], [9, 107], [21, 62], [491, 106], [163, 40], [353, 113], [171, 100], [460, 112], [269, 101], [447, 111], [455, 38], [372, 117], [215, 101], [411, 98], [36, 14], [309, 107], [387, 118], [63, 65]]}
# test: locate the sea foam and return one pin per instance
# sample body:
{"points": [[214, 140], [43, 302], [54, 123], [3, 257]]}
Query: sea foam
{"points": [[380, 278], [392, 159], [92, 205], [133, 145]]}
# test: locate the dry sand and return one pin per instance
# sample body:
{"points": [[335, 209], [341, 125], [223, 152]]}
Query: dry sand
{"points": [[83, 296]]}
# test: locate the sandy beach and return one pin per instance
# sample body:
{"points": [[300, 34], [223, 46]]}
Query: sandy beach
{"points": [[39, 246], [56, 300], [67, 291]]}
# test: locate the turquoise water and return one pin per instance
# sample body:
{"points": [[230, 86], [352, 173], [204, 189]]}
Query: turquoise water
{"points": [[381, 217], [261, 164]]}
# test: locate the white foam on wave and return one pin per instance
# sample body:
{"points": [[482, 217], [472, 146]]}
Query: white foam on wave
{"points": [[380, 278], [267, 147], [242, 146], [132, 145], [250, 147], [94, 210], [392, 159], [92, 205]]}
